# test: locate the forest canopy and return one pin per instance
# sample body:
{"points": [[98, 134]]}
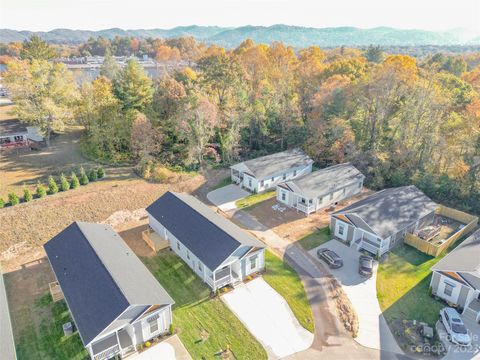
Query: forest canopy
{"points": [[400, 120]]}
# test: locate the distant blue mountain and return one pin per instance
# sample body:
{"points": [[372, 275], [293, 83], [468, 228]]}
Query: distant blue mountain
{"points": [[297, 36]]}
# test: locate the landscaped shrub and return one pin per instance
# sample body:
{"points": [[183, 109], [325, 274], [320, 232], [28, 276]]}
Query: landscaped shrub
{"points": [[27, 195], [13, 199], [41, 191], [171, 329], [92, 175], [100, 173], [83, 177], [64, 184], [2, 203], [52, 186], [74, 182]]}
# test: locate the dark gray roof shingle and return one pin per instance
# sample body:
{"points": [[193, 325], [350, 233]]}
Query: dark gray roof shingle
{"points": [[388, 211], [209, 236], [100, 276], [266, 166], [325, 181]]}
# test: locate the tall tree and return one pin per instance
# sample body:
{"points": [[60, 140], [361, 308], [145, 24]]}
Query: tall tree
{"points": [[37, 49], [110, 68], [133, 87], [43, 93]]}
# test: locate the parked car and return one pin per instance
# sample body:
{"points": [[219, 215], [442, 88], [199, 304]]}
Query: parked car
{"points": [[330, 257], [457, 332], [365, 265]]}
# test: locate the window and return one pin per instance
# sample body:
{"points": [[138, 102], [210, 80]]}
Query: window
{"points": [[188, 255], [359, 185], [273, 178], [341, 229], [153, 323], [249, 182], [448, 289], [294, 172], [331, 196], [284, 196], [253, 262], [262, 183], [303, 201], [310, 201], [284, 176], [344, 191], [178, 245], [200, 267]]}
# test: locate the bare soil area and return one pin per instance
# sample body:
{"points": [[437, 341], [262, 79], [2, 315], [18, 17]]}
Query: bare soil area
{"points": [[292, 224]]}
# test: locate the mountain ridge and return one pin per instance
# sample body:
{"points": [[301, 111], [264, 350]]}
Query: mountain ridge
{"points": [[298, 36]]}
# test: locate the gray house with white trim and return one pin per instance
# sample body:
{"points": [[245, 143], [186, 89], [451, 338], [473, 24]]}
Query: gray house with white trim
{"points": [[268, 171], [114, 300], [456, 277], [216, 249], [380, 221], [321, 188]]}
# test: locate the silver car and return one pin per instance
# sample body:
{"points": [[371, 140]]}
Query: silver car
{"points": [[456, 330]]}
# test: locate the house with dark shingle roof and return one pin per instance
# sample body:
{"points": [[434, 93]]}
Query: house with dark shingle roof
{"points": [[268, 171], [216, 249], [456, 277], [321, 188], [380, 221], [114, 300]]}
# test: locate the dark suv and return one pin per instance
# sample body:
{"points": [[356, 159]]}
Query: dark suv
{"points": [[365, 265], [330, 257]]}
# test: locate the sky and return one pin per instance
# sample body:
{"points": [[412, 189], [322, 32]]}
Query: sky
{"points": [[44, 15]]}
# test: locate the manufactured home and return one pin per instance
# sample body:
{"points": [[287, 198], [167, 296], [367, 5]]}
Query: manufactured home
{"points": [[115, 302], [321, 188], [216, 249], [266, 172], [380, 221]]}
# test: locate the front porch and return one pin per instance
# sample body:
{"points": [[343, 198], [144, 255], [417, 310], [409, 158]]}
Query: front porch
{"points": [[118, 343], [224, 277]]}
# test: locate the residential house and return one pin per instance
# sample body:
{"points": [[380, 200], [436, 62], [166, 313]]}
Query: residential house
{"points": [[456, 277], [268, 171], [380, 221], [217, 250], [13, 134], [321, 188], [115, 302]]}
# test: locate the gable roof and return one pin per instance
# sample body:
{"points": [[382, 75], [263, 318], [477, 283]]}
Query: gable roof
{"points": [[389, 211], [265, 166], [325, 181], [92, 259], [464, 259], [209, 236]]}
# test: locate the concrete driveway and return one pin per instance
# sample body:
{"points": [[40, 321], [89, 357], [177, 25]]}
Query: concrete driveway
{"points": [[269, 318], [373, 330], [456, 352], [169, 349], [225, 197]]}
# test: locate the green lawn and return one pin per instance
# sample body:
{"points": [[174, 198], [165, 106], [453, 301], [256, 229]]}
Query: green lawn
{"points": [[403, 282], [194, 313], [46, 340], [316, 238], [286, 282], [254, 199]]}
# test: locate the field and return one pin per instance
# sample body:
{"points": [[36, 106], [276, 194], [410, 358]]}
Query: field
{"points": [[205, 325]]}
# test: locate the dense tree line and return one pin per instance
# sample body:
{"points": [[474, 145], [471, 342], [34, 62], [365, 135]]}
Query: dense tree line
{"points": [[400, 121]]}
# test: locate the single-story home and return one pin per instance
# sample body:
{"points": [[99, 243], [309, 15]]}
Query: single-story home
{"points": [[456, 277], [321, 188], [115, 302], [13, 134], [216, 249], [266, 172], [380, 221]]}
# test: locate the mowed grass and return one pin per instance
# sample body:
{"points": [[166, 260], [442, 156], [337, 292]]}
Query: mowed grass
{"points": [[195, 313], [283, 278], [403, 282], [316, 238], [254, 199], [46, 340]]}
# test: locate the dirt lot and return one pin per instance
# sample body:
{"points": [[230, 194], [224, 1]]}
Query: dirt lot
{"points": [[294, 225]]}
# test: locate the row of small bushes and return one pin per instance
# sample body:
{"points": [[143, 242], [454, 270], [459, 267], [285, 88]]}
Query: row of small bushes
{"points": [[64, 184]]}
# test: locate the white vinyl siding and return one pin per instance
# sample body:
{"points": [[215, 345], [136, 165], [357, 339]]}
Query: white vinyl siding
{"points": [[272, 180]]}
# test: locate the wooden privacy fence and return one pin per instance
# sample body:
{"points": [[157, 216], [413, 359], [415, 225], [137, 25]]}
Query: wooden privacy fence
{"points": [[435, 249]]}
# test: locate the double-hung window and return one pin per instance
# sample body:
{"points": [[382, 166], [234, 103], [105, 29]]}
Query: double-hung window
{"points": [[341, 229], [153, 323], [448, 289]]}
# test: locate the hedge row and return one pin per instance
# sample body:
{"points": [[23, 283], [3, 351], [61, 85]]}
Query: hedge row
{"points": [[53, 187]]}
